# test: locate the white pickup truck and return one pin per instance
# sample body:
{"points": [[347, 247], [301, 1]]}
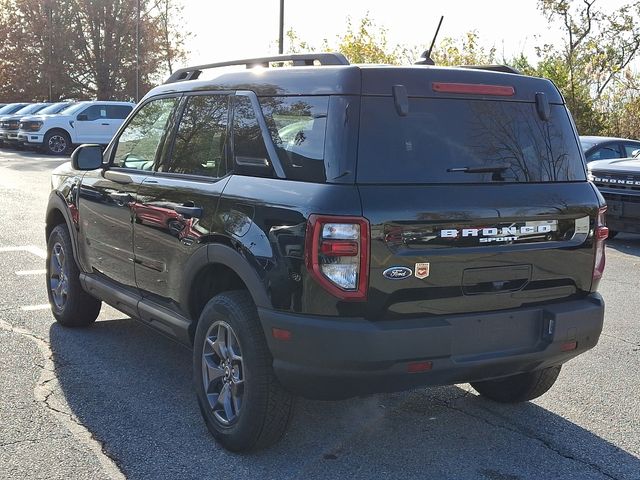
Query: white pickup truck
{"points": [[83, 122]]}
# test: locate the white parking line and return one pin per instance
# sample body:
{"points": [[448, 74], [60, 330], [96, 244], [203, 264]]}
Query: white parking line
{"points": [[31, 308], [31, 272], [37, 251]]}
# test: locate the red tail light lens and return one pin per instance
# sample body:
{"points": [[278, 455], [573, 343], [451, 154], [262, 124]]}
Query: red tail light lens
{"points": [[600, 234], [337, 254]]}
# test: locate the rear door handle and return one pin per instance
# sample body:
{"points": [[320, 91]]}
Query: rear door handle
{"points": [[188, 211], [106, 124]]}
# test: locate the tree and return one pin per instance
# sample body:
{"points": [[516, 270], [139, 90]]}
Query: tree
{"points": [[466, 51], [60, 49]]}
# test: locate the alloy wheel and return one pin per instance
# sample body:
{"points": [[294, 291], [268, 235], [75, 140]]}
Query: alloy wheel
{"points": [[58, 276]]}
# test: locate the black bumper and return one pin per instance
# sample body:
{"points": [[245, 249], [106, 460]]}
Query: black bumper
{"points": [[332, 358]]}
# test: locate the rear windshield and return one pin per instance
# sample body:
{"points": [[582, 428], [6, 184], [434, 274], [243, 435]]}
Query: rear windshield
{"points": [[450, 140]]}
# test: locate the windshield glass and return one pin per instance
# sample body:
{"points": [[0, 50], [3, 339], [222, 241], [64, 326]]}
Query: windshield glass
{"points": [[55, 108], [33, 108], [73, 108], [11, 108], [586, 145], [465, 141]]}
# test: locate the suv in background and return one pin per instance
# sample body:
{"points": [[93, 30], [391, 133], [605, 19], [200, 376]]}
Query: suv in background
{"points": [[606, 148], [338, 230], [82, 122], [619, 182]]}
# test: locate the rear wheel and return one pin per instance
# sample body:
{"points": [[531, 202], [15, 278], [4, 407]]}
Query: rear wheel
{"points": [[57, 142], [518, 388], [70, 304], [242, 402]]}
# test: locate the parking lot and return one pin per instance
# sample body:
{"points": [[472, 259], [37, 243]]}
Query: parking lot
{"points": [[116, 401]]}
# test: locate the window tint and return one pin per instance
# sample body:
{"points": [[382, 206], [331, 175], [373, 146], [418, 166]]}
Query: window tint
{"points": [[118, 111], [138, 143], [95, 112], [439, 135], [200, 144], [629, 148], [250, 153], [297, 126], [604, 153]]}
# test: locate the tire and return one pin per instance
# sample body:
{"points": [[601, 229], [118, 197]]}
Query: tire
{"points": [[56, 142], [258, 409], [612, 234], [70, 304], [518, 388]]}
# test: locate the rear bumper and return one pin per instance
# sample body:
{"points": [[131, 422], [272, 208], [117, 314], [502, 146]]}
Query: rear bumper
{"points": [[331, 358]]}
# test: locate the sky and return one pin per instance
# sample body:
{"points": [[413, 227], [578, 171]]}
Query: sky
{"points": [[249, 28]]}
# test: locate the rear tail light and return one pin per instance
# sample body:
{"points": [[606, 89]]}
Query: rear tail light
{"points": [[337, 254], [474, 89], [600, 234]]}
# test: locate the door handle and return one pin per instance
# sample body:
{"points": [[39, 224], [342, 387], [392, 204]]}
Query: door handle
{"points": [[188, 211], [106, 124], [118, 177]]}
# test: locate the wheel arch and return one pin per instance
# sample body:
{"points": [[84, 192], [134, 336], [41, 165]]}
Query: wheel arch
{"points": [[58, 214]]}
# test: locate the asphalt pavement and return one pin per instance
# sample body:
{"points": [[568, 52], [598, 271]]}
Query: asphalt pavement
{"points": [[115, 400]]}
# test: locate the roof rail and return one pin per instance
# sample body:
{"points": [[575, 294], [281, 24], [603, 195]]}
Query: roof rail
{"points": [[298, 59], [494, 68]]}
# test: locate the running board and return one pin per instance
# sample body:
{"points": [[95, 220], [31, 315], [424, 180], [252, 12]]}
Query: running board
{"points": [[132, 304]]}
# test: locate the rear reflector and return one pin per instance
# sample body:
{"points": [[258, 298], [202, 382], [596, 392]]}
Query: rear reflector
{"points": [[567, 347], [281, 334], [417, 367], [474, 89]]}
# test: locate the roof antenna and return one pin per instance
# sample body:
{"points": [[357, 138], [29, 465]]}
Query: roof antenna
{"points": [[426, 56]]}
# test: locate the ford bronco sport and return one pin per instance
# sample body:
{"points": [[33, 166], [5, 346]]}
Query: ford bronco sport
{"points": [[330, 230]]}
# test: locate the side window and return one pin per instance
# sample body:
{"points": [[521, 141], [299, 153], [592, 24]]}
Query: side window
{"points": [[139, 141], [630, 148], [297, 126], [604, 153], [201, 139], [118, 112], [249, 150], [94, 112]]}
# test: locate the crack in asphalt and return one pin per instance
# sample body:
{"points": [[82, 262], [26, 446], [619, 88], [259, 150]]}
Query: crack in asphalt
{"points": [[528, 434], [633, 344], [44, 394]]}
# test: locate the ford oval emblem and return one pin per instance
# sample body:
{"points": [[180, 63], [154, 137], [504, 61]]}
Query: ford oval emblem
{"points": [[397, 273]]}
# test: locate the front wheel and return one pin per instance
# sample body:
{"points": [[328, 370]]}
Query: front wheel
{"points": [[242, 402], [70, 304], [57, 142], [518, 388]]}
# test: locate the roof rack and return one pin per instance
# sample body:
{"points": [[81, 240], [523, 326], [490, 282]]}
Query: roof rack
{"points": [[494, 68], [298, 59]]}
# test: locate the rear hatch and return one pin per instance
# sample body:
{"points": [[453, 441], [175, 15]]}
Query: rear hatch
{"points": [[477, 199]]}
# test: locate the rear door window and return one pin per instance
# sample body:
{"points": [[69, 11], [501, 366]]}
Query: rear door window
{"points": [[249, 150], [200, 144], [118, 112], [465, 141], [631, 148]]}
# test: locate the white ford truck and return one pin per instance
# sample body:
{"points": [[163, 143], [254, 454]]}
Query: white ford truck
{"points": [[83, 122]]}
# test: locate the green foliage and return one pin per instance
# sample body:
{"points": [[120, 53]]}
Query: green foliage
{"points": [[465, 51]]}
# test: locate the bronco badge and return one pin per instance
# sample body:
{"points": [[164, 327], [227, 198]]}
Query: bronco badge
{"points": [[397, 273]]}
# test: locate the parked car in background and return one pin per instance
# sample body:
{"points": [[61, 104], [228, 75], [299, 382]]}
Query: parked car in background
{"points": [[10, 109], [606, 148], [619, 183], [9, 123], [83, 122]]}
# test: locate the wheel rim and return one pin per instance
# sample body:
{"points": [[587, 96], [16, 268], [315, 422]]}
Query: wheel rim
{"points": [[223, 373], [58, 276], [57, 143]]}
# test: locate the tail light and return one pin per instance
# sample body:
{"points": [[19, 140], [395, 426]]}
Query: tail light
{"points": [[337, 254], [601, 232]]}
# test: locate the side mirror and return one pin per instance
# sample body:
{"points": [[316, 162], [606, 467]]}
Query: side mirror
{"points": [[87, 157], [83, 117]]}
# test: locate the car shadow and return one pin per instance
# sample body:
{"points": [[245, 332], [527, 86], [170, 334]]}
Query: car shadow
{"points": [[131, 387], [628, 243]]}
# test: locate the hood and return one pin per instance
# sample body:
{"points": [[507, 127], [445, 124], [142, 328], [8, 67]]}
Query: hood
{"points": [[616, 166]]}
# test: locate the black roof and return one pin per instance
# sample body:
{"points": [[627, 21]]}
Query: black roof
{"points": [[338, 78]]}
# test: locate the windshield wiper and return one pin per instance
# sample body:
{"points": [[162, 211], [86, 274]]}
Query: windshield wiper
{"points": [[484, 169]]}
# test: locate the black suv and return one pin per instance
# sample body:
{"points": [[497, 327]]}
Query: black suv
{"points": [[330, 230]]}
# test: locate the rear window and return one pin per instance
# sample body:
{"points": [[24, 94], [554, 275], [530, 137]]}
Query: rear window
{"points": [[449, 140]]}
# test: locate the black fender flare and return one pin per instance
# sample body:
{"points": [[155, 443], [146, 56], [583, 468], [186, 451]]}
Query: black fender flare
{"points": [[56, 202], [222, 254]]}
